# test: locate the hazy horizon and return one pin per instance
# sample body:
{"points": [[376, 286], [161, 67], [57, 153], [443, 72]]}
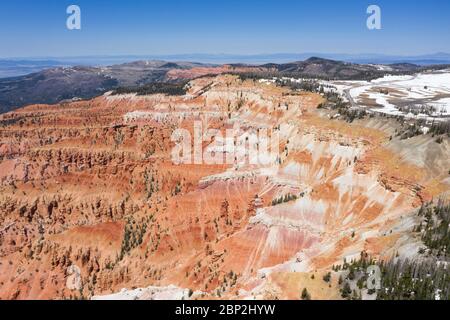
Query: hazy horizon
{"points": [[231, 54]]}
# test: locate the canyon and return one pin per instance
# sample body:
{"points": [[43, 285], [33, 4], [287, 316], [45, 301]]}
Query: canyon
{"points": [[92, 205]]}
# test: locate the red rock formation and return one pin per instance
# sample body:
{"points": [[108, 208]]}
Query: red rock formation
{"points": [[91, 184]]}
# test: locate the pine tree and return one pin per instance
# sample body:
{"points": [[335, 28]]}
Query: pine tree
{"points": [[346, 291], [305, 294]]}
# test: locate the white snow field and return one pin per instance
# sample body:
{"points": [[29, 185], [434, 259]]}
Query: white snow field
{"points": [[425, 95]]}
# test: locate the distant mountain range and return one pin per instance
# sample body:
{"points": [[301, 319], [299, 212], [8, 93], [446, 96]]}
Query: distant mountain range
{"points": [[55, 84], [23, 66], [436, 58], [62, 83]]}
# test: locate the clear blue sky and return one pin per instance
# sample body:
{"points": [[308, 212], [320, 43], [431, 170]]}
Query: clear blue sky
{"points": [[38, 27]]}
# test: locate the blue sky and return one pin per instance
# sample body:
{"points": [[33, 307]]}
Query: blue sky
{"points": [[38, 27]]}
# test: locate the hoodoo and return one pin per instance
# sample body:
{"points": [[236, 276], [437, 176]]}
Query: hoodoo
{"points": [[90, 193]]}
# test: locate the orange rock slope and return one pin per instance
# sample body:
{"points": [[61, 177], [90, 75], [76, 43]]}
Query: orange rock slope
{"points": [[89, 192]]}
